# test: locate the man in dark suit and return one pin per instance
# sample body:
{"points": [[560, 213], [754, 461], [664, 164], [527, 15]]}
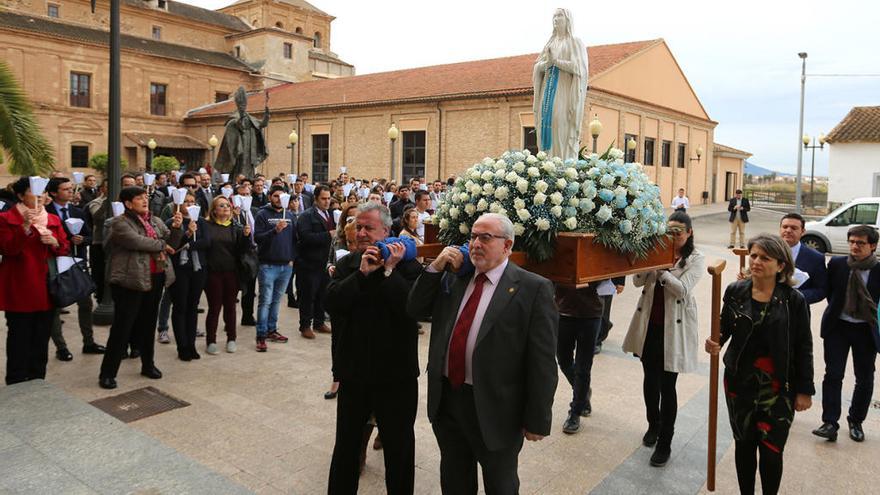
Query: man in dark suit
{"points": [[304, 199], [205, 194], [315, 231], [89, 190], [739, 208], [850, 323], [491, 361], [377, 355], [60, 189], [806, 259]]}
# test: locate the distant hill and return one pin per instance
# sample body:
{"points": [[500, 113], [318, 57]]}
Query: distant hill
{"points": [[758, 171]]}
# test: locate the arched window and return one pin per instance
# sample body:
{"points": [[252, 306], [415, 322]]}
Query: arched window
{"points": [[299, 30], [279, 25], [255, 22], [317, 39]]}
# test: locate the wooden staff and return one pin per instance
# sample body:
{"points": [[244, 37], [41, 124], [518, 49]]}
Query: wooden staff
{"points": [[715, 271], [742, 253]]}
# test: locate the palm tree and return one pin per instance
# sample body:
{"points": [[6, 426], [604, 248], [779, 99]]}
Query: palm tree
{"points": [[20, 136]]}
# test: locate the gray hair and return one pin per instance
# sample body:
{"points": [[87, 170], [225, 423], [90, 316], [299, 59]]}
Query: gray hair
{"points": [[384, 213], [504, 222], [777, 249]]}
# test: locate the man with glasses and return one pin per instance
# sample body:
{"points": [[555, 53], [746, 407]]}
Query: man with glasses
{"points": [[491, 361], [850, 323]]}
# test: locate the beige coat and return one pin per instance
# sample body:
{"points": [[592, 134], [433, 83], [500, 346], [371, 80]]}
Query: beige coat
{"points": [[131, 250], [680, 338]]}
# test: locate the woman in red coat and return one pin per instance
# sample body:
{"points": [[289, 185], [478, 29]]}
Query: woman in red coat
{"points": [[28, 238]]}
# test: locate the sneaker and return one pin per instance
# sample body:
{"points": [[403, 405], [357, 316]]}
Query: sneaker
{"points": [[572, 425], [212, 349], [231, 347], [163, 337], [261, 345], [274, 336]]}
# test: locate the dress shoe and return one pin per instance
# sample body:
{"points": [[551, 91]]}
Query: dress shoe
{"points": [[597, 349], [248, 322], [134, 354], [323, 328], [572, 424], [194, 354], [307, 333], [152, 372], [650, 438], [108, 383], [184, 355], [827, 431], [64, 355], [331, 395], [855, 431], [661, 455], [587, 411], [94, 349]]}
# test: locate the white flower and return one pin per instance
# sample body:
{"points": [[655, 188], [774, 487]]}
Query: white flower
{"points": [[625, 227], [488, 161], [523, 214], [482, 205], [463, 228], [556, 198], [533, 172], [500, 164], [615, 154], [604, 214], [571, 223], [495, 207], [519, 167], [539, 198], [474, 174], [587, 205], [519, 204], [556, 211], [561, 183], [502, 193], [522, 185], [463, 197], [444, 224], [541, 155], [502, 211], [620, 191], [453, 213], [470, 208], [499, 174], [542, 224], [488, 175], [573, 202], [571, 173], [531, 159], [476, 190], [488, 189], [518, 228], [511, 177], [549, 167], [607, 180], [541, 186]]}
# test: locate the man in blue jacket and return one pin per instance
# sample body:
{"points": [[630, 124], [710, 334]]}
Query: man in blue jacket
{"points": [[806, 259], [275, 233]]}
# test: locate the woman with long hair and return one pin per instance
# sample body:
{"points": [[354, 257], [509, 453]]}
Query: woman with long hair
{"points": [[768, 366], [663, 333], [190, 265], [409, 225]]}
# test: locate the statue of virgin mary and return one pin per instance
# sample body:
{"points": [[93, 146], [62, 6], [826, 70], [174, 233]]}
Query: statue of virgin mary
{"points": [[560, 85]]}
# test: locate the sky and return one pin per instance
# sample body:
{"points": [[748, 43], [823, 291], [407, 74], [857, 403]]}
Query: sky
{"points": [[740, 57]]}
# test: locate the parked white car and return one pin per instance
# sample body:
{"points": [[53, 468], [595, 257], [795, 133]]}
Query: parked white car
{"points": [[829, 234]]}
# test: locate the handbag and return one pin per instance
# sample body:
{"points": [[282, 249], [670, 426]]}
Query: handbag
{"points": [[71, 285]]}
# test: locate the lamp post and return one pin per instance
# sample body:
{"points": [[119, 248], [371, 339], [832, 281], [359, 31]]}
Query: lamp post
{"points": [[595, 130], [151, 147], [699, 154], [797, 207], [213, 142], [393, 133], [808, 146], [293, 138], [631, 147]]}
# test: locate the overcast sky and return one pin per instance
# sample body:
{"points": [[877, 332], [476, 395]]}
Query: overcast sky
{"points": [[740, 57]]}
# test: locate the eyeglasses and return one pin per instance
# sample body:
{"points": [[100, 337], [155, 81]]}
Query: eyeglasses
{"points": [[856, 243], [191, 186], [485, 237]]}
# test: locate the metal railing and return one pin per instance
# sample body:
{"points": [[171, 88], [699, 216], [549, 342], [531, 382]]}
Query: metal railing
{"points": [[758, 197]]}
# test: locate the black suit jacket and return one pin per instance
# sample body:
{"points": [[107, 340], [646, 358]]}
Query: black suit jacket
{"points": [[746, 207], [813, 262], [86, 232], [838, 278], [514, 359], [313, 239]]}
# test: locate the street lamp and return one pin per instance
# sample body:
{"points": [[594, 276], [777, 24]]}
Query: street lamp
{"points": [[293, 138], [393, 133], [803, 56], [807, 146], [595, 130], [699, 153], [213, 142], [151, 146], [631, 147]]}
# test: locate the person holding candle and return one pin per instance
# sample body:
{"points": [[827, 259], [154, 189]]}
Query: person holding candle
{"points": [[189, 267]]}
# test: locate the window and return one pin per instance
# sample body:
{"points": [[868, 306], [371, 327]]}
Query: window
{"points": [[413, 155], [630, 155], [665, 158], [682, 155], [288, 50], [157, 98], [856, 215], [299, 30], [53, 11], [218, 97], [79, 90], [317, 40], [279, 25], [79, 156], [320, 157], [157, 32], [237, 51], [530, 140], [649, 151], [163, 4]]}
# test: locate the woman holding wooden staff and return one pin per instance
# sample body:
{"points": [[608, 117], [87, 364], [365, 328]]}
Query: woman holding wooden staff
{"points": [[769, 364]]}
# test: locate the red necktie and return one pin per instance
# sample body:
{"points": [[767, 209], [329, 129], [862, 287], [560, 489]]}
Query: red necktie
{"points": [[458, 344]]}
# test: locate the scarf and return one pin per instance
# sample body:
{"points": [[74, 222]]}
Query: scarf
{"points": [[148, 226], [859, 303], [40, 221]]}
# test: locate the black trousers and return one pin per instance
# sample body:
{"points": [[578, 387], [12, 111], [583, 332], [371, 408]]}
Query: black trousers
{"points": [[394, 405], [574, 352], [311, 286], [98, 268], [770, 465], [84, 309], [606, 318], [248, 294], [837, 343], [134, 318], [461, 447], [661, 400], [185, 294], [27, 345]]}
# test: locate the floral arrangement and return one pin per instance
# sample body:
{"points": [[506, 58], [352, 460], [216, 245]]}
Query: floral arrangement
{"points": [[544, 196]]}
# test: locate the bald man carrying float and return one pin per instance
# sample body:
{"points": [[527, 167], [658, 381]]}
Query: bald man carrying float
{"points": [[491, 361]]}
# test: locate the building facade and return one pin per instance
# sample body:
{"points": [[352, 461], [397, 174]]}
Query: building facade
{"points": [[854, 156]]}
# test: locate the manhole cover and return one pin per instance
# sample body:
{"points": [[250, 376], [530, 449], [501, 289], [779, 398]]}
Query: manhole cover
{"points": [[138, 404]]}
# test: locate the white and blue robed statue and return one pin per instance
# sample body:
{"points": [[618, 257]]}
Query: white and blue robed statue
{"points": [[560, 82]]}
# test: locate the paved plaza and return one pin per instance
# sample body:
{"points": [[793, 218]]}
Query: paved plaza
{"points": [[260, 420]]}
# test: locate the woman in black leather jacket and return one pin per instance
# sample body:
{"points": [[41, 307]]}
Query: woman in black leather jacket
{"points": [[768, 371]]}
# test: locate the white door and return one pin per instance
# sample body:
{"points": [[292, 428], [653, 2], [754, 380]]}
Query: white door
{"points": [[858, 214]]}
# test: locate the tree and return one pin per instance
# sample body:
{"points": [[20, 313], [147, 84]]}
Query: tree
{"points": [[164, 163], [99, 161], [20, 136]]}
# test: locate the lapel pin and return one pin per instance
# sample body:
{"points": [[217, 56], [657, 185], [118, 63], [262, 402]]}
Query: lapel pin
{"points": [[511, 290]]}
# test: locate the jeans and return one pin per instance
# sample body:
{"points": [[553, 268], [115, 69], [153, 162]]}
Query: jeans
{"points": [[164, 311], [574, 351], [273, 281]]}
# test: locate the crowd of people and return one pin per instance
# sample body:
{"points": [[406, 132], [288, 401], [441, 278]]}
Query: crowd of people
{"points": [[500, 334]]}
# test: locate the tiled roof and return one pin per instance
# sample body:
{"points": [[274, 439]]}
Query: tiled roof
{"points": [[172, 141], [297, 3], [198, 14], [861, 124], [720, 148], [42, 25], [480, 78]]}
